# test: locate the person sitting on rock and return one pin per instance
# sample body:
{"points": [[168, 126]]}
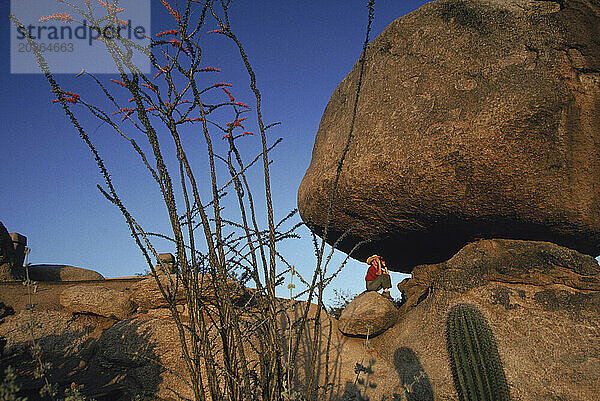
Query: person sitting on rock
{"points": [[378, 276]]}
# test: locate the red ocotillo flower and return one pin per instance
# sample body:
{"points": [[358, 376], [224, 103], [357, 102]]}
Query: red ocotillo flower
{"points": [[173, 12], [70, 100], [109, 7], [57, 17], [73, 95], [126, 112], [210, 69], [119, 83], [242, 105], [218, 30], [152, 88], [234, 124], [176, 43], [193, 119], [221, 84], [120, 111], [247, 133], [171, 32], [231, 98]]}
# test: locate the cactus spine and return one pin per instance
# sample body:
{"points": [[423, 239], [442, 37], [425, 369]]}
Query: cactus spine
{"points": [[474, 359]]}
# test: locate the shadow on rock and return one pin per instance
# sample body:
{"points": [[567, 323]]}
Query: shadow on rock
{"points": [[115, 363], [126, 352], [415, 382], [352, 393]]}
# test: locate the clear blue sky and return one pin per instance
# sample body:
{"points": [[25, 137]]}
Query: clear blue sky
{"points": [[301, 50]]}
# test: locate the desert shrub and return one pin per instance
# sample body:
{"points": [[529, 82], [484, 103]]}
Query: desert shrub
{"points": [[9, 387]]}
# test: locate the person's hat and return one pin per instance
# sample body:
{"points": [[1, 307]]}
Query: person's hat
{"points": [[371, 258]]}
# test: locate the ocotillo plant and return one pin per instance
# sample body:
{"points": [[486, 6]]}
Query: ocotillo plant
{"points": [[474, 359], [222, 220]]}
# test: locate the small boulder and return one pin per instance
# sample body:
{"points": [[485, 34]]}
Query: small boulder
{"points": [[369, 314], [97, 300], [46, 273]]}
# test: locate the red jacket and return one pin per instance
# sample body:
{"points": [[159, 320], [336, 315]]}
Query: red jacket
{"points": [[371, 273]]}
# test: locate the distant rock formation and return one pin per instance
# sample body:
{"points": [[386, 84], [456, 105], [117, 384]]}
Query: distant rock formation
{"points": [[62, 273], [9, 269], [146, 294], [20, 245], [369, 314], [476, 119]]}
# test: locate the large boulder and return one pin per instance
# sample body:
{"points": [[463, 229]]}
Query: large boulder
{"points": [[62, 273], [97, 300], [369, 314], [9, 269], [476, 119]]}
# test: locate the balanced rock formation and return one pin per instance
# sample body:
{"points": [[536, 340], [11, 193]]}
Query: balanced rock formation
{"points": [[476, 119], [62, 273], [369, 314], [9, 269], [98, 300]]}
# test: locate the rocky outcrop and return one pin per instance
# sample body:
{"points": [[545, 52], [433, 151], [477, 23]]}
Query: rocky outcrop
{"points": [[147, 295], [533, 263], [369, 314], [19, 245], [540, 302], [5, 310], [46, 273], [9, 270], [476, 119], [98, 300]]}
